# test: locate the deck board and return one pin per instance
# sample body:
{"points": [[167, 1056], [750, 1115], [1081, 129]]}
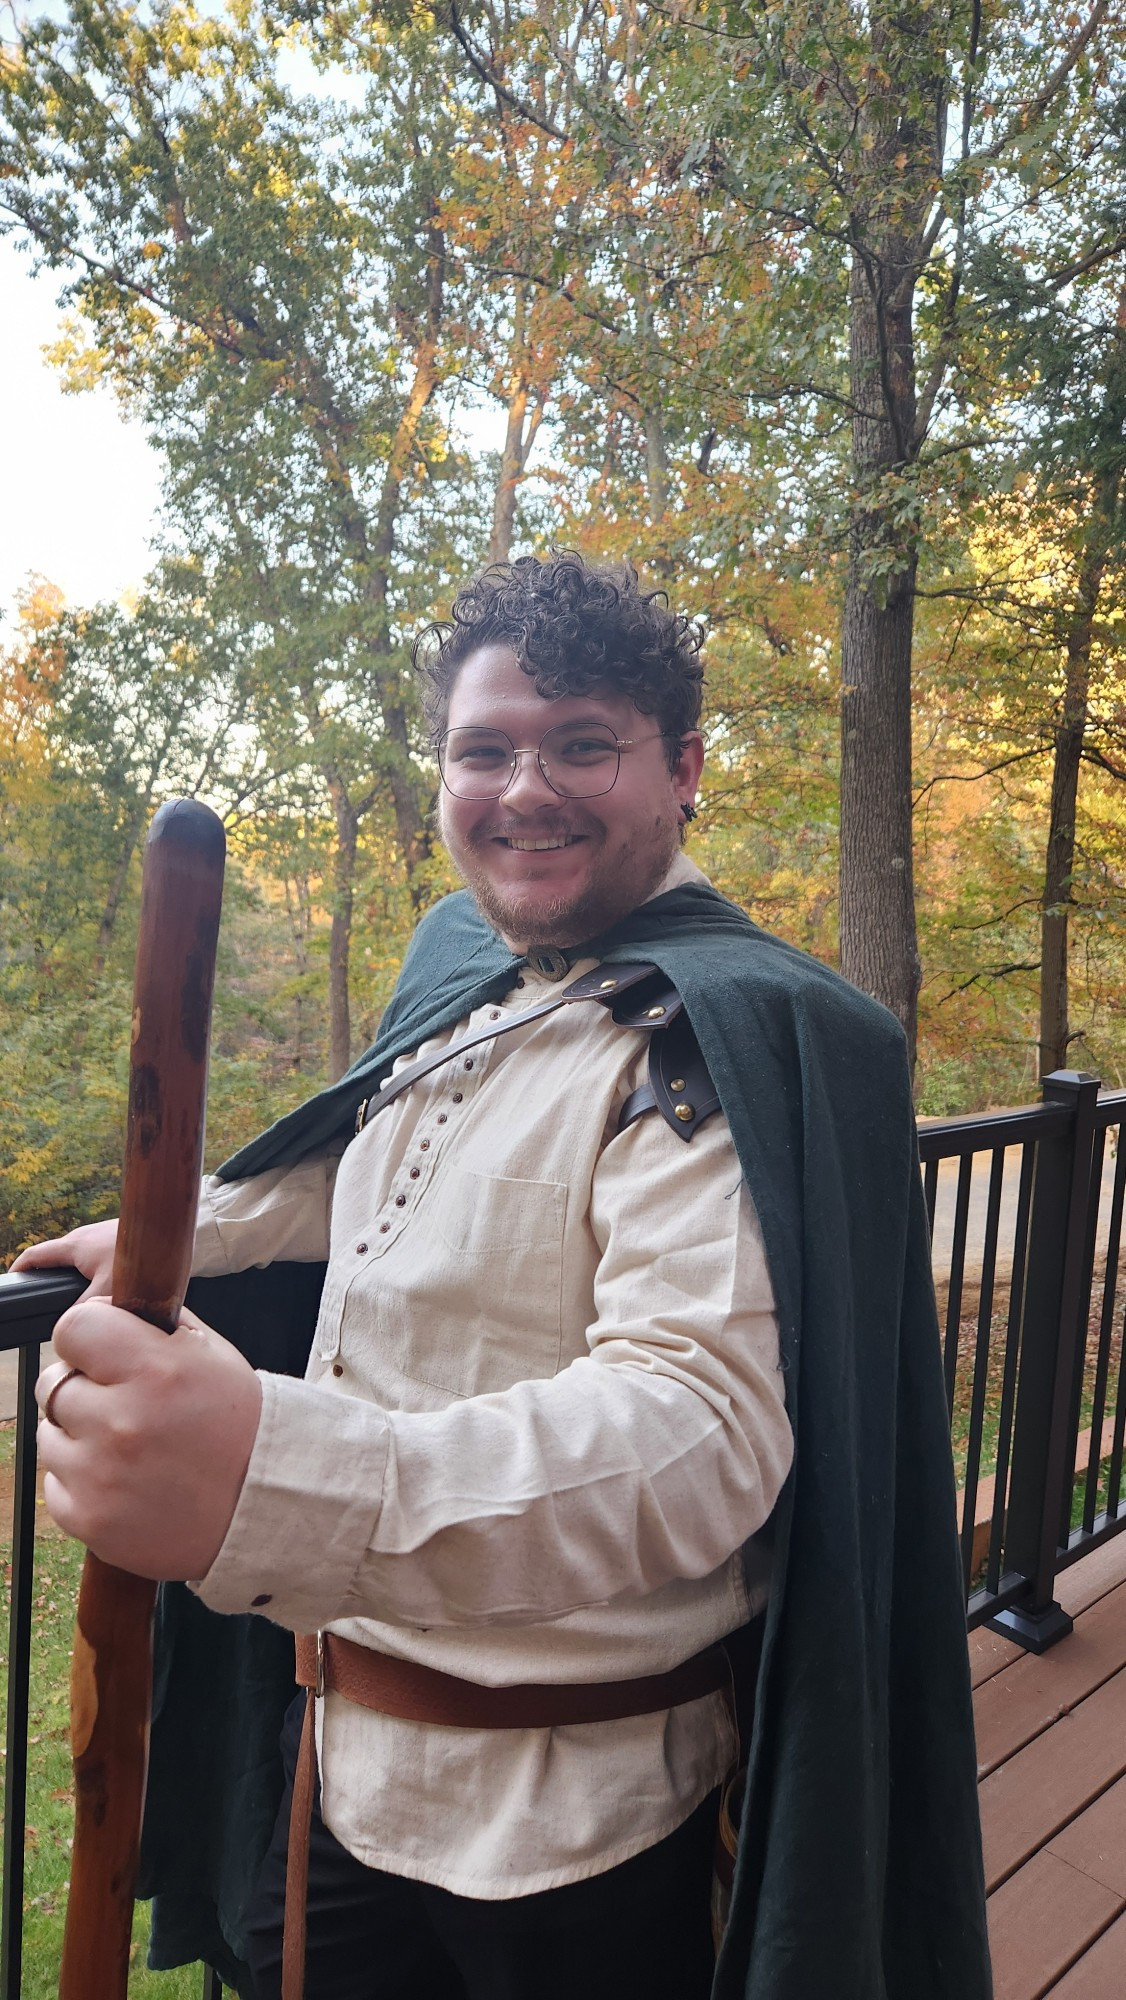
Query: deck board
{"points": [[1043, 1920], [989, 1655], [1034, 1691], [1052, 1779], [1052, 1749], [1096, 1841], [1101, 1973]]}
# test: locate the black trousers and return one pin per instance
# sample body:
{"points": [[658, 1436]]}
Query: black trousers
{"points": [[643, 1927]]}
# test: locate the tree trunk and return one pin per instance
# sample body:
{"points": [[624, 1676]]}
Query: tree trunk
{"points": [[134, 827], [1059, 860], [519, 434], [879, 950], [340, 937], [656, 465]]}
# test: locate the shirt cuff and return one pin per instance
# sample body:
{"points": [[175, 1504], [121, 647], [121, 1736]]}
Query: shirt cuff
{"points": [[209, 1257], [307, 1509]]}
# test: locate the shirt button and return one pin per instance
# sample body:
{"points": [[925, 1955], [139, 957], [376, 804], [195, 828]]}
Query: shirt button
{"points": [[519, 982], [337, 1369], [495, 1015], [383, 1228], [265, 1597], [400, 1201], [424, 1145], [415, 1171], [468, 1063], [441, 1117], [360, 1249], [457, 1097]]}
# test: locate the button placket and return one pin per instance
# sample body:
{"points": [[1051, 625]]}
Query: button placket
{"points": [[417, 1169]]}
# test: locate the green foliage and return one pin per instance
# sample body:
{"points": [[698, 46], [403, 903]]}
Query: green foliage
{"points": [[308, 246]]}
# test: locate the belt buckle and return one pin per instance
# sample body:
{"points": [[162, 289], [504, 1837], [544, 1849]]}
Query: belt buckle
{"points": [[320, 1683]]}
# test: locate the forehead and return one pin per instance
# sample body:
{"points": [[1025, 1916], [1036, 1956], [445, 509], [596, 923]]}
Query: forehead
{"points": [[493, 691]]}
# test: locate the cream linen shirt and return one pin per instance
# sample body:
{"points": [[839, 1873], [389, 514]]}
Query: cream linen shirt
{"points": [[542, 1414]]}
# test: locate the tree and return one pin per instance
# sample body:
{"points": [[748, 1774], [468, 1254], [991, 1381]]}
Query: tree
{"points": [[839, 146], [265, 276]]}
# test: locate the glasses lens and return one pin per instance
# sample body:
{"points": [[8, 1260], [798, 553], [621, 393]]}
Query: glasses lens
{"points": [[580, 759], [476, 763]]}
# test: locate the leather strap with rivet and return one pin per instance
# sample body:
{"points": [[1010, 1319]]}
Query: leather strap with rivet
{"points": [[679, 1085], [606, 984]]}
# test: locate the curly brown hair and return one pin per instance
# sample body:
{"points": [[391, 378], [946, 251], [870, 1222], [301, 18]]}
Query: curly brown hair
{"points": [[574, 626]]}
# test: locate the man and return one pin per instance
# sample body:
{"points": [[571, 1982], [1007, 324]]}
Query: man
{"points": [[544, 1423]]}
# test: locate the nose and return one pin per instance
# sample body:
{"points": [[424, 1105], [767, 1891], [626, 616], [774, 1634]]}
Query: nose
{"points": [[528, 790]]}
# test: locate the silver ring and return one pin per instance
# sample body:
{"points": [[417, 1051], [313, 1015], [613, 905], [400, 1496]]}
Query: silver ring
{"points": [[49, 1405]]}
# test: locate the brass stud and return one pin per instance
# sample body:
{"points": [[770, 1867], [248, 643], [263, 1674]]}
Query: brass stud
{"points": [[677, 1083], [607, 985], [653, 1013], [684, 1112]]}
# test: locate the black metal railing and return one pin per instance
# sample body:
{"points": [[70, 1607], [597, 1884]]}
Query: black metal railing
{"points": [[1026, 1214]]}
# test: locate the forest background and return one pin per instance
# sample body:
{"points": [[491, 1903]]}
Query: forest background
{"points": [[817, 314]]}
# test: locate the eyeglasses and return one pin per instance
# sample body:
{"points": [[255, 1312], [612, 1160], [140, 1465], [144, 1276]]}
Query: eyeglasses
{"points": [[578, 760]]}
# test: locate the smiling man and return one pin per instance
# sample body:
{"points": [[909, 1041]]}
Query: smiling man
{"points": [[623, 1200]]}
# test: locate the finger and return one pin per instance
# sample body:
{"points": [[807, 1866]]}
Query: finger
{"points": [[60, 1505], [59, 1250], [63, 1396], [107, 1343]]}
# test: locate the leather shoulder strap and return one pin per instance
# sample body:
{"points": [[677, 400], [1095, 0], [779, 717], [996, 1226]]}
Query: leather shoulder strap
{"points": [[679, 1085], [605, 984]]}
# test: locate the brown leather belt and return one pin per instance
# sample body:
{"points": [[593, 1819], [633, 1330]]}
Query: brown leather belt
{"points": [[328, 1664]]}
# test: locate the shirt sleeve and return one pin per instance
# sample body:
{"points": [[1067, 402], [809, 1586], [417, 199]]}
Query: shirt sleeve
{"points": [[284, 1214], [651, 1458]]}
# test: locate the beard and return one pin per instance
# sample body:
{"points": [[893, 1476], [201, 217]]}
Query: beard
{"points": [[616, 884]]}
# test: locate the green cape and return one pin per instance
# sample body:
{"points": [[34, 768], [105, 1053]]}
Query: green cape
{"points": [[859, 1872]]}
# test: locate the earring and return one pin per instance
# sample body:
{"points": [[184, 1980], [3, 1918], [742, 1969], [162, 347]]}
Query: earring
{"points": [[688, 811]]}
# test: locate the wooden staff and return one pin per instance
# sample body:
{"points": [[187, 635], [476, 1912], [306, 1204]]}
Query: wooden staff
{"points": [[111, 1671]]}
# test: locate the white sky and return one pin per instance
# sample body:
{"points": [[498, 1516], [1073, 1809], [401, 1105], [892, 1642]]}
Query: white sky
{"points": [[81, 485], [79, 498]]}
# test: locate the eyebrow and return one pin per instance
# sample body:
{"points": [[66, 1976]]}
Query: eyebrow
{"points": [[570, 722]]}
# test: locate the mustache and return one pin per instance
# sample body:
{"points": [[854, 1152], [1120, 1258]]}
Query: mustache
{"points": [[536, 828]]}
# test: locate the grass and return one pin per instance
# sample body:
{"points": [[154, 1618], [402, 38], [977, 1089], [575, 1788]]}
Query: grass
{"points": [[50, 1796], [964, 1376]]}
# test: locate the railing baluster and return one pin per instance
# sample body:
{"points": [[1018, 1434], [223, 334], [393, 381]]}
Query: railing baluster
{"points": [[1009, 1376], [981, 1359], [19, 1664], [1106, 1328], [1082, 1331], [1114, 1472], [957, 1276], [212, 1985], [930, 1193], [1055, 1318]]}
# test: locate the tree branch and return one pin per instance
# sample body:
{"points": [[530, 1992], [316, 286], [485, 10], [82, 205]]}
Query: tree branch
{"points": [[488, 76]]}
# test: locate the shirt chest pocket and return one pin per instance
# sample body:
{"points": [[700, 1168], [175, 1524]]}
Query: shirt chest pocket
{"points": [[487, 1310]]}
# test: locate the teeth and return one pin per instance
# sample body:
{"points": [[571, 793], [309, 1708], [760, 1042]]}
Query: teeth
{"points": [[535, 846]]}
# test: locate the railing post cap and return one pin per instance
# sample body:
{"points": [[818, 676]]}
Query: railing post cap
{"points": [[1070, 1079]]}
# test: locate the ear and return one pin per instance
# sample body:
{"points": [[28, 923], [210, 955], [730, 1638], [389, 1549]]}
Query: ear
{"points": [[687, 769]]}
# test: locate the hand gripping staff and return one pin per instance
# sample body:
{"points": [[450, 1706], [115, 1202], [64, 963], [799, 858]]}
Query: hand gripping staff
{"points": [[111, 1671]]}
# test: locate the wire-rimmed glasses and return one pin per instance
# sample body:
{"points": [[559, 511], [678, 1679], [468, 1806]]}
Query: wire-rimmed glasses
{"points": [[579, 760]]}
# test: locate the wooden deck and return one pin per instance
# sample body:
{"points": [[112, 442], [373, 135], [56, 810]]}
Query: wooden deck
{"points": [[1051, 1735]]}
